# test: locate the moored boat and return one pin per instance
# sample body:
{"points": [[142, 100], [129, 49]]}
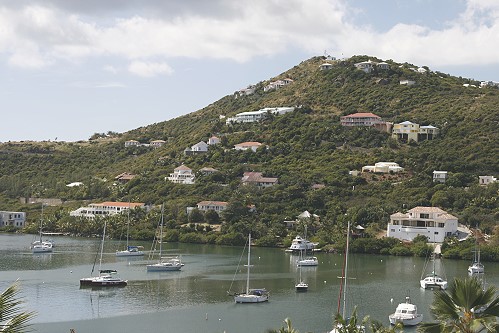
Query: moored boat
{"points": [[406, 314]]}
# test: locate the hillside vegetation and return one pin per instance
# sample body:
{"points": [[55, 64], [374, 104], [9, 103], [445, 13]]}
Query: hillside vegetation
{"points": [[302, 148]]}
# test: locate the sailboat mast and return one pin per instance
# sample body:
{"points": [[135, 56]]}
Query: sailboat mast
{"points": [[161, 232], [248, 270], [128, 225], [41, 223], [102, 245], [346, 271]]}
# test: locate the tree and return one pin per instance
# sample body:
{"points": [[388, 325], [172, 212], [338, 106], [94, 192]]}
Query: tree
{"points": [[287, 328], [465, 308], [12, 318]]}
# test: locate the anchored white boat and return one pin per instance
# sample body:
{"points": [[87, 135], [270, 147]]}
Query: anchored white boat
{"points": [[130, 250], [164, 264], [106, 277], [309, 261], [432, 280], [251, 295], [301, 285], [301, 244], [406, 313], [476, 266], [41, 246]]}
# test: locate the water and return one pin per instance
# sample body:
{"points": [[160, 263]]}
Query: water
{"points": [[195, 298]]}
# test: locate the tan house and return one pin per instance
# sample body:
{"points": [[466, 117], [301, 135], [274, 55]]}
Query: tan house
{"points": [[361, 119], [132, 143], [124, 177], [407, 131], [157, 143], [257, 179], [486, 180]]}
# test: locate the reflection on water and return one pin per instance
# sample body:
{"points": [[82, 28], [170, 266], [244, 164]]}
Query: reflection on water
{"points": [[195, 298]]}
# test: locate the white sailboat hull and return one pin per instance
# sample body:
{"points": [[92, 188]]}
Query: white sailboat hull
{"points": [[163, 267], [42, 248], [254, 296], [127, 253], [406, 321], [433, 282]]}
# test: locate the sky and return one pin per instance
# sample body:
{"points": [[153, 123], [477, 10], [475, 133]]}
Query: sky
{"points": [[72, 68]]}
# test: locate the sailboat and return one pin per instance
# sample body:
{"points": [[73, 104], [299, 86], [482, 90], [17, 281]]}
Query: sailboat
{"points": [[41, 246], [106, 277], [302, 285], [251, 295], [164, 264], [308, 261], [432, 280], [476, 266], [130, 250], [343, 290]]}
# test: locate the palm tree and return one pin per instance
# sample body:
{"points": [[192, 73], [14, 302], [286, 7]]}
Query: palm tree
{"points": [[466, 307], [12, 318], [349, 325], [287, 328]]}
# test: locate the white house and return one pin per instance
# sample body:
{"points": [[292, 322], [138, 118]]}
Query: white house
{"points": [[439, 176], [16, 219], [366, 66], [199, 148], [217, 206], [277, 84], [208, 171], [432, 222], [157, 143], [247, 145], [326, 66], [182, 175], [253, 116], [383, 65], [407, 82], [383, 167], [213, 141], [132, 143], [250, 90], [105, 209], [486, 180]]}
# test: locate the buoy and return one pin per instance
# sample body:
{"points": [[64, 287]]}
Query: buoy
{"points": [[206, 316], [391, 300], [324, 281], [71, 272], [219, 319]]}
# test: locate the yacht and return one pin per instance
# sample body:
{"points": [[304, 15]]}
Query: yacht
{"points": [[301, 244], [106, 278], [166, 265], [406, 313]]}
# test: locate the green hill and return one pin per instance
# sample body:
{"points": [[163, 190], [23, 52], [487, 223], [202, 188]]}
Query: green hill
{"points": [[305, 147]]}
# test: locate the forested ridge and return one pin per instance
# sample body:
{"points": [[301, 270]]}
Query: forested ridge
{"points": [[301, 148]]}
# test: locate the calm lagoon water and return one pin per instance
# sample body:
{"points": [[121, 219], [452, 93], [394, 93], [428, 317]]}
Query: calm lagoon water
{"points": [[195, 299]]}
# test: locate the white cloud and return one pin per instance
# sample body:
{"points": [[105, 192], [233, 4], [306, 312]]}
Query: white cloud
{"points": [[110, 85], [149, 69], [35, 36]]}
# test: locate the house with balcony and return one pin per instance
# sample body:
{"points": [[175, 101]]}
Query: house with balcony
{"points": [[249, 90], [365, 119], [132, 143], [254, 116], [217, 206], [15, 219], [432, 222], [439, 176], [277, 84], [325, 66], [408, 131], [257, 179], [182, 175], [107, 208]]}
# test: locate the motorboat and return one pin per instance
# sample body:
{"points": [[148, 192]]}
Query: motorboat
{"points": [[106, 278], [301, 244], [406, 313], [165, 265], [309, 261], [301, 286], [251, 295]]}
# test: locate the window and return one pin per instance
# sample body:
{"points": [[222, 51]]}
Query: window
{"points": [[424, 216], [436, 232], [392, 230], [441, 225]]}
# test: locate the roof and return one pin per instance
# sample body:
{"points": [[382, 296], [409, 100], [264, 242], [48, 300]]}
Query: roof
{"points": [[407, 123], [212, 203], [256, 177], [420, 209], [248, 144], [363, 115], [182, 167], [208, 169], [120, 204]]}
